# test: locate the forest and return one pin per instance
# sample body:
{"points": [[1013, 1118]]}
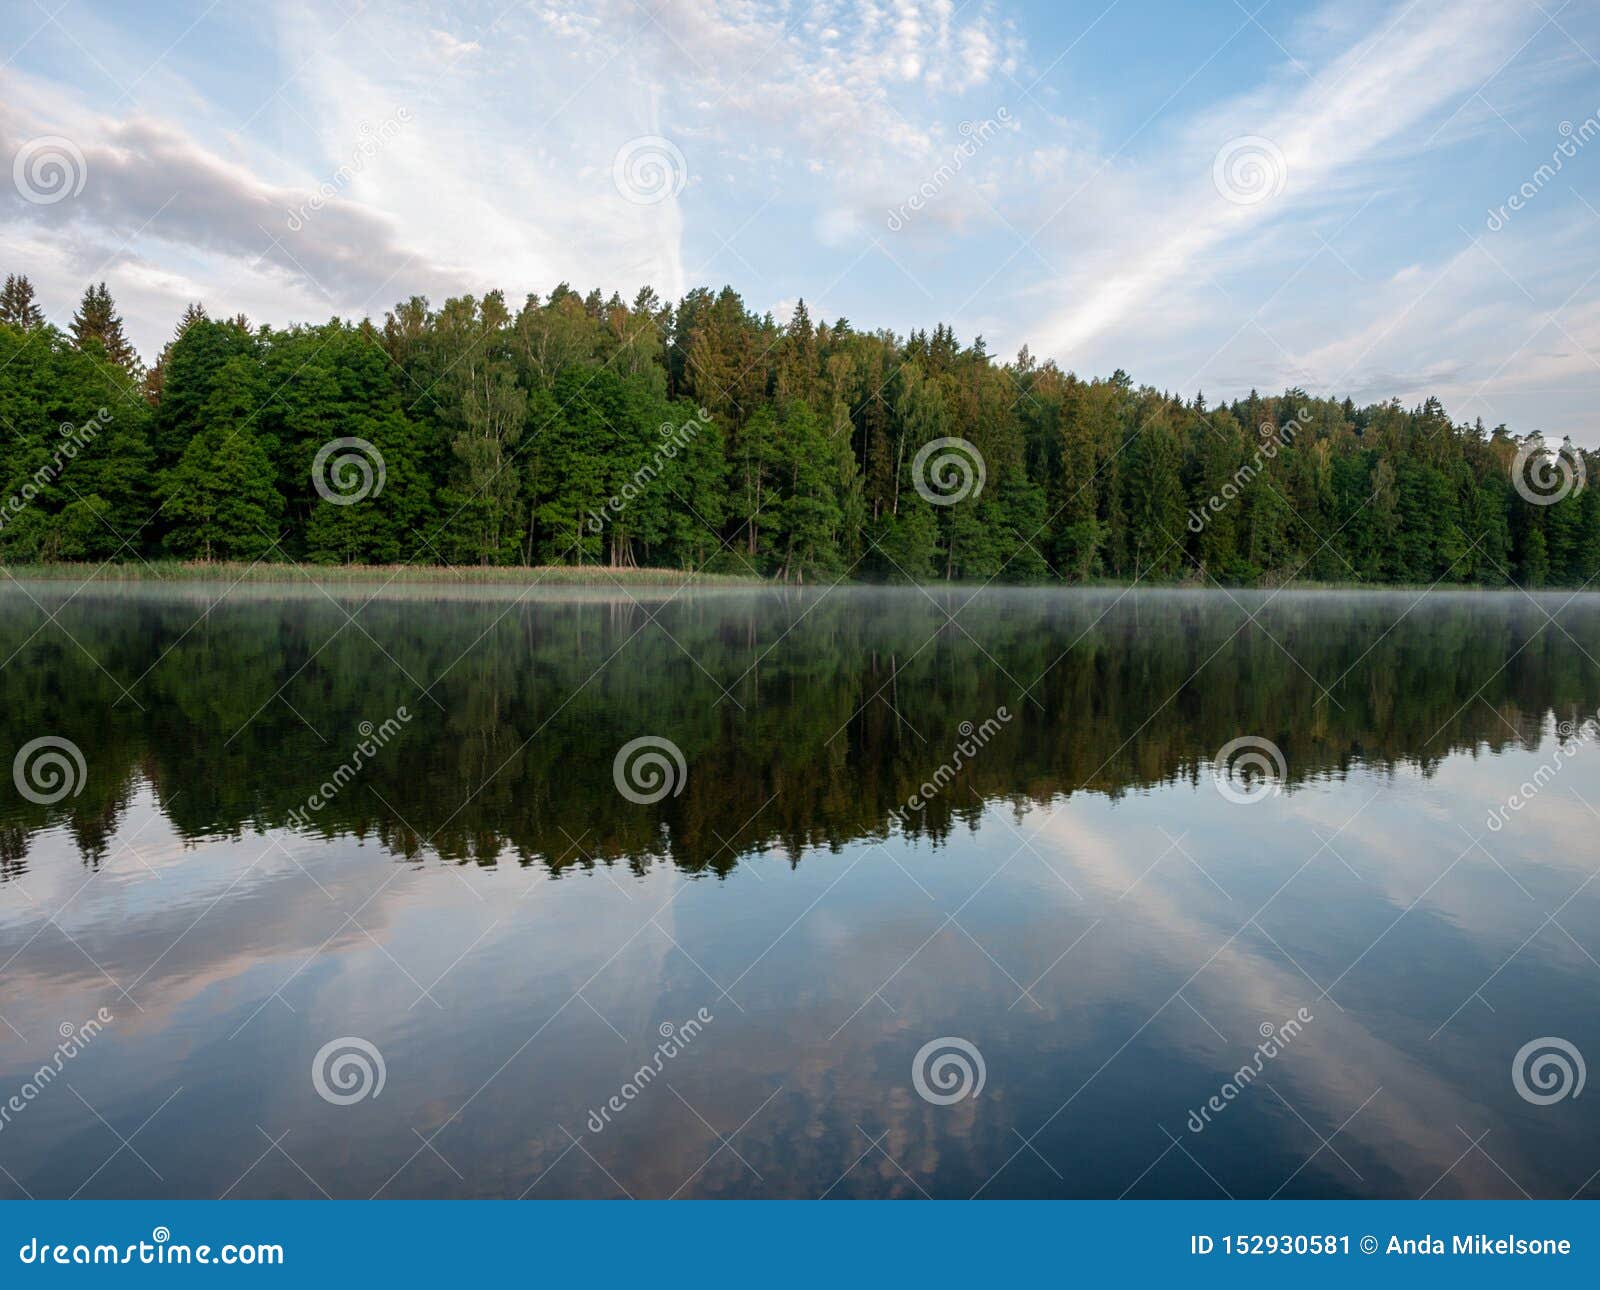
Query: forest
{"points": [[580, 430]]}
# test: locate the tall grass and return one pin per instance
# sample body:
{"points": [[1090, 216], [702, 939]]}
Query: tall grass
{"points": [[221, 571]]}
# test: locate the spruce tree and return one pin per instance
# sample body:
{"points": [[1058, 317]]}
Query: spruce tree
{"points": [[98, 322], [17, 306]]}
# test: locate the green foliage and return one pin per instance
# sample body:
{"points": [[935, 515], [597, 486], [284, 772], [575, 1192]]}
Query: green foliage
{"points": [[579, 430], [17, 305], [74, 453], [219, 501], [97, 325]]}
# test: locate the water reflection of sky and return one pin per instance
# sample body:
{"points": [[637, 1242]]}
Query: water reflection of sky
{"points": [[1114, 963]]}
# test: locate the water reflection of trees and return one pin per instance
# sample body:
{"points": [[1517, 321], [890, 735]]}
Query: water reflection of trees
{"points": [[805, 720]]}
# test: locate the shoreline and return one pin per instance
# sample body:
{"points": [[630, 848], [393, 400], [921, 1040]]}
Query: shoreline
{"points": [[603, 577], [184, 571]]}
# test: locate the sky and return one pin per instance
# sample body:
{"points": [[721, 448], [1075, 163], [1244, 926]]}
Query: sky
{"points": [[1379, 200]]}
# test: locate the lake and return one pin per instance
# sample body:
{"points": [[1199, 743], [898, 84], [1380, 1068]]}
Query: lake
{"points": [[476, 892]]}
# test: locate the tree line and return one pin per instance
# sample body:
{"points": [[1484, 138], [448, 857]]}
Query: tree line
{"points": [[582, 430]]}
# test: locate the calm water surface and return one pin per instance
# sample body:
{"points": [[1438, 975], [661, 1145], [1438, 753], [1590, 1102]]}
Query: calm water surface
{"points": [[1107, 930]]}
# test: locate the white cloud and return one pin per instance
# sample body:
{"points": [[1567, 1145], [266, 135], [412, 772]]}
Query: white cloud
{"points": [[801, 129], [502, 173], [1375, 95], [450, 47]]}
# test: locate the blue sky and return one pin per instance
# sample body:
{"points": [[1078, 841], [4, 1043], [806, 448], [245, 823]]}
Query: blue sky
{"points": [[1213, 196]]}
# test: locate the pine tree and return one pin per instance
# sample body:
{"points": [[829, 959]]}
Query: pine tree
{"points": [[17, 306], [1155, 509], [98, 322], [1214, 512]]}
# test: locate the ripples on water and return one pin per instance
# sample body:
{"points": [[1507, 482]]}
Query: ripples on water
{"points": [[511, 938]]}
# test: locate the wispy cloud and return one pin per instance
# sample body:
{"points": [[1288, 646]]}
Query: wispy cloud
{"points": [[1091, 226], [1376, 96]]}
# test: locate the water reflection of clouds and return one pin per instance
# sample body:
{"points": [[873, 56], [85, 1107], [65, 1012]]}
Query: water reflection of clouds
{"points": [[1112, 958], [1145, 891], [1179, 920]]}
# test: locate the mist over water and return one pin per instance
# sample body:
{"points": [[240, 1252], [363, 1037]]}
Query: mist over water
{"points": [[866, 823]]}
